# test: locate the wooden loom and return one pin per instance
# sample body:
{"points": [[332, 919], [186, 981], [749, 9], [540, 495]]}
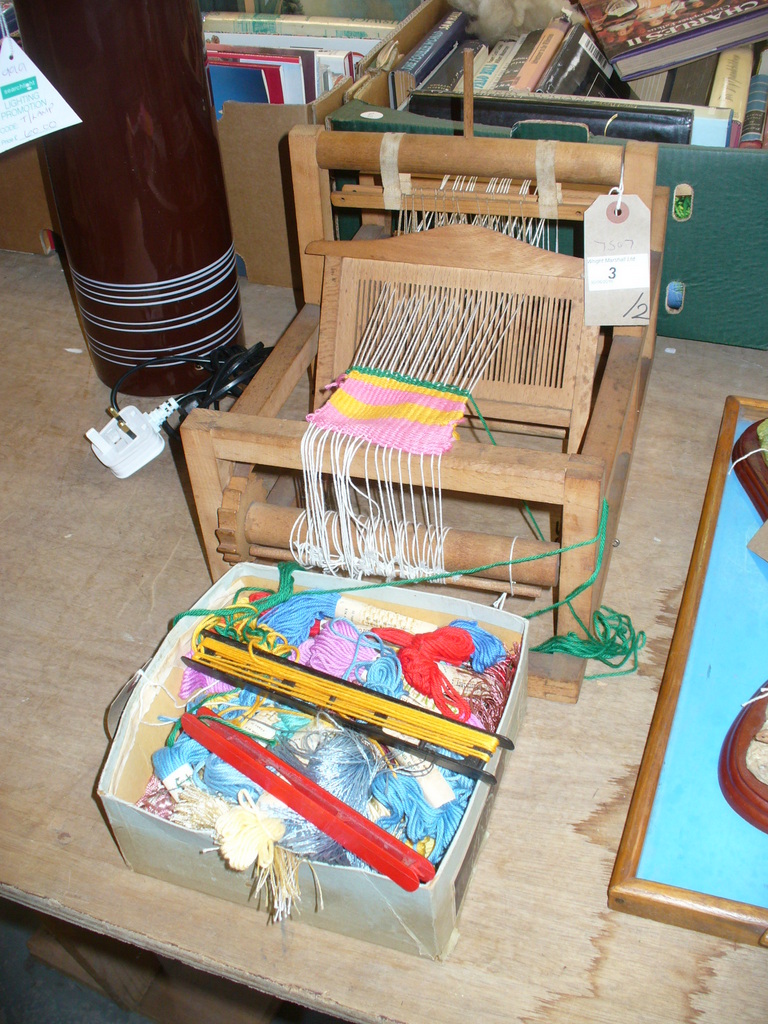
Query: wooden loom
{"points": [[535, 386]]}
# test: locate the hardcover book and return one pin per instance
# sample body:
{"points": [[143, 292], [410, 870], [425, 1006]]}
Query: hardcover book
{"points": [[449, 76], [496, 65], [359, 46], [640, 37], [753, 126], [243, 85], [692, 83], [653, 88], [417, 65], [731, 85], [508, 74], [580, 69], [297, 25], [298, 76], [603, 116], [543, 53], [375, 10]]}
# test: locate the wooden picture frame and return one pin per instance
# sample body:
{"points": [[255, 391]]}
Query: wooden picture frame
{"points": [[660, 882]]}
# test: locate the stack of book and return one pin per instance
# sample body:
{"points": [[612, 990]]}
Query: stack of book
{"points": [[562, 74], [269, 58]]}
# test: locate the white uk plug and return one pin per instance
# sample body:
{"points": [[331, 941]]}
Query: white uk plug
{"points": [[131, 439]]}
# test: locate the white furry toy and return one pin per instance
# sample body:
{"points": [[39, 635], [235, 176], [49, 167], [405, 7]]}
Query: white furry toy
{"points": [[492, 20]]}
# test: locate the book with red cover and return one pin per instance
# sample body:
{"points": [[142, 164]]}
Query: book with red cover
{"points": [[302, 64], [642, 37]]}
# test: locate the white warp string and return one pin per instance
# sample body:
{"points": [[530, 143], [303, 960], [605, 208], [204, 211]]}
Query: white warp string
{"points": [[387, 520], [445, 209]]}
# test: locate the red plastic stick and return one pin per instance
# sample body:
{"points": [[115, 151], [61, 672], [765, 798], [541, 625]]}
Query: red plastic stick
{"points": [[353, 831]]}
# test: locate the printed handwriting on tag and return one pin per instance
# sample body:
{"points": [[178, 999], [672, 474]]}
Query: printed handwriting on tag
{"points": [[30, 107]]}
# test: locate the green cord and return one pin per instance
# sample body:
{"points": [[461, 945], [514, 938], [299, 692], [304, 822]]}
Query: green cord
{"points": [[613, 640], [240, 620]]}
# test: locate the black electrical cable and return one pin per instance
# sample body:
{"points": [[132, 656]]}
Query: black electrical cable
{"points": [[231, 368]]}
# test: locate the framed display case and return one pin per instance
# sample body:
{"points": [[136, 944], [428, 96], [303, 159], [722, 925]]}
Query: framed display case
{"points": [[686, 856]]}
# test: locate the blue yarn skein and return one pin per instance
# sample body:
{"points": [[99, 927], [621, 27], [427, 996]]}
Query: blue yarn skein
{"points": [[184, 751], [342, 764], [294, 618], [225, 781], [384, 674], [488, 648], [412, 816]]}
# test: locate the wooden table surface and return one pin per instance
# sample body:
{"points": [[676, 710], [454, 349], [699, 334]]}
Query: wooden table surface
{"points": [[93, 569]]}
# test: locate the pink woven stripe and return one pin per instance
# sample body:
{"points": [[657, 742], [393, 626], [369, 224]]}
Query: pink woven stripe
{"points": [[413, 438]]}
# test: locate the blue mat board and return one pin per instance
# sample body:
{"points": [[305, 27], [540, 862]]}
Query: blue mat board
{"points": [[694, 840]]}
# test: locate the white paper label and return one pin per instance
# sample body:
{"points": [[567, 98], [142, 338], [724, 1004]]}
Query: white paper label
{"points": [[617, 262], [617, 272], [30, 107], [175, 782]]}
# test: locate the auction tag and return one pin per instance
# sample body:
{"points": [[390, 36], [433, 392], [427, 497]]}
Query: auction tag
{"points": [[617, 262], [30, 107]]}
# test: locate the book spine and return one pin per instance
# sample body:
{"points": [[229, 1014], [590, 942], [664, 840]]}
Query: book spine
{"points": [[498, 61], [449, 76], [653, 88], [579, 69], [507, 81], [553, 76], [435, 45], [550, 41], [692, 83], [426, 56], [731, 85], [757, 104]]}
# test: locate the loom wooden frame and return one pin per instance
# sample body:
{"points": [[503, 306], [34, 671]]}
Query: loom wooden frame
{"points": [[220, 448], [738, 922]]}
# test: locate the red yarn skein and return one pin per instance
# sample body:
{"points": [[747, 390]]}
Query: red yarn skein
{"points": [[419, 656]]}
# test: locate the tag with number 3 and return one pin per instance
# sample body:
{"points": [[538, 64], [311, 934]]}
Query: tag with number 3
{"points": [[617, 262]]}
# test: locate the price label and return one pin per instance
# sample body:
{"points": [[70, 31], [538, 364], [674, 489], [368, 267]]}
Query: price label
{"points": [[30, 107], [617, 262]]}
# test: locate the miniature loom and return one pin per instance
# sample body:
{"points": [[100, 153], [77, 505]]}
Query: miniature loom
{"points": [[544, 371]]}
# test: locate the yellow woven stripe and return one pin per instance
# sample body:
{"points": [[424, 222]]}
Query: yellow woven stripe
{"points": [[356, 410]]}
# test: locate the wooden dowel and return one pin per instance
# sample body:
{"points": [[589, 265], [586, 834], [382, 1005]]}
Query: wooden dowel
{"points": [[486, 157], [471, 582], [268, 530], [469, 93]]}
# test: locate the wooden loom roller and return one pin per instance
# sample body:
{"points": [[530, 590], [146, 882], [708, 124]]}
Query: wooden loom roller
{"points": [[270, 527], [223, 448]]}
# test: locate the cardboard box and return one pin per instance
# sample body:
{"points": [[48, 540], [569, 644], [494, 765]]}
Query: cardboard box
{"points": [[27, 212], [253, 139], [356, 902]]}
